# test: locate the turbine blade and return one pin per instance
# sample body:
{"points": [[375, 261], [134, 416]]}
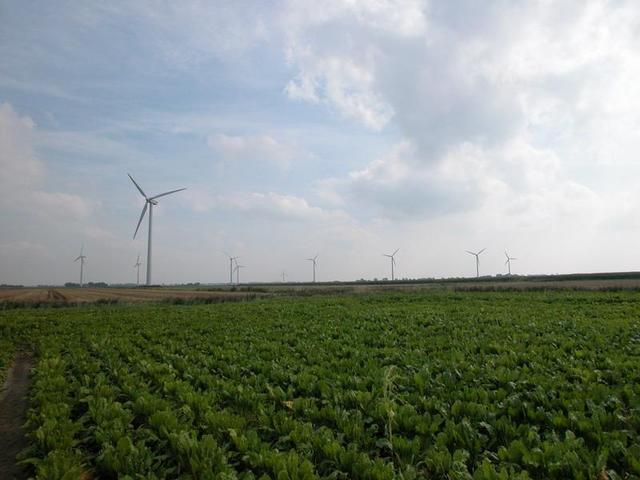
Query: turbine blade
{"points": [[137, 186], [506, 262], [167, 193], [506, 254], [144, 210], [77, 259], [395, 252], [470, 253], [482, 251]]}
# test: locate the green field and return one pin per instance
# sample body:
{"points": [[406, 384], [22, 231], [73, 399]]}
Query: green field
{"points": [[417, 385]]}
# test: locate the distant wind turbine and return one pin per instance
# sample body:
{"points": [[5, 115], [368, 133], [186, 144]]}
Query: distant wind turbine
{"points": [[237, 270], [137, 267], [149, 202], [82, 259], [477, 255], [284, 276], [315, 262], [508, 262], [393, 262], [231, 260]]}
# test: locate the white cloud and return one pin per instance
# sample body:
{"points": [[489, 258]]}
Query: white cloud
{"points": [[514, 184], [265, 206], [471, 72], [18, 162], [345, 85], [525, 108], [255, 148], [23, 174]]}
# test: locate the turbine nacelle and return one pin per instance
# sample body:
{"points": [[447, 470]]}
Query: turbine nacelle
{"points": [[149, 201]]}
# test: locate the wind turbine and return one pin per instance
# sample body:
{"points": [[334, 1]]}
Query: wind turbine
{"points": [[137, 267], [508, 262], [82, 259], [149, 202], [477, 255], [231, 260], [284, 276], [315, 262], [237, 269], [393, 262]]}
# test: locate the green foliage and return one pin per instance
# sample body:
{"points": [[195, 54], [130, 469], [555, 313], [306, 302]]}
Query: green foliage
{"points": [[483, 386]]}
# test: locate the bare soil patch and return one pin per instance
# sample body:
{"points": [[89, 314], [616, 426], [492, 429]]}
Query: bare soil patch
{"points": [[13, 407]]}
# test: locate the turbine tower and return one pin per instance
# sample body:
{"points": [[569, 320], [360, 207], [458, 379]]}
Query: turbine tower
{"points": [[237, 270], [508, 262], [149, 203], [393, 262], [284, 276], [82, 259], [137, 267], [231, 269], [477, 255], [314, 260]]}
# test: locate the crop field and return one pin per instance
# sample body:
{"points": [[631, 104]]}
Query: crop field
{"points": [[62, 296], [438, 385]]}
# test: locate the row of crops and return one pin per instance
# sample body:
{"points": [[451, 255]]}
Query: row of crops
{"points": [[458, 386]]}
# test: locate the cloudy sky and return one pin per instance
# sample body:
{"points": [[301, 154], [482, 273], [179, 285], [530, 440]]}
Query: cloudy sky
{"points": [[345, 128]]}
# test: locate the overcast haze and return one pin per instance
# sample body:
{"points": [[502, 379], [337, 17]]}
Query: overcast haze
{"points": [[344, 128]]}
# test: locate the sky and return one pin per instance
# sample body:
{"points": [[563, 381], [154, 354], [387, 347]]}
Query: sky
{"points": [[347, 129]]}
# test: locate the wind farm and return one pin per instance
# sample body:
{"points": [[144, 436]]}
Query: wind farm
{"points": [[234, 267], [302, 296]]}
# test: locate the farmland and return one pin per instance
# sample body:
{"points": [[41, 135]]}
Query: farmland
{"points": [[482, 385], [72, 296]]}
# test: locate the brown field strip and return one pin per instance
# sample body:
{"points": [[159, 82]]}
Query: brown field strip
{"points": [[13, 406]]}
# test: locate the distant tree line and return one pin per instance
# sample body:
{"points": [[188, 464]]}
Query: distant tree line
{"points": [[88, 284]]}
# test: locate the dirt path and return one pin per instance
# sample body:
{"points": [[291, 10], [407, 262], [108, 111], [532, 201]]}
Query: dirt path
{"points": [[13, 406], [55, 295]]}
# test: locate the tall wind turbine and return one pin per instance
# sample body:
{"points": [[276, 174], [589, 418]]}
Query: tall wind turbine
{"points": [[284, 276], [149, 203], [393, 262], [137, 267], [477, 255], [237, 270], [82, 259], [315, 262], [231, 260], [508, 262]]}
